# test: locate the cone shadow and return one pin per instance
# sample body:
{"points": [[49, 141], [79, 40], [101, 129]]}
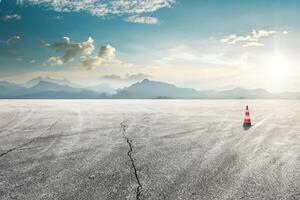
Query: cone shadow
{"points": [[246, 127]]}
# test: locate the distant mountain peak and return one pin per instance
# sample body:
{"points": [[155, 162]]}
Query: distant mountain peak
{"points": [[145, 80]]}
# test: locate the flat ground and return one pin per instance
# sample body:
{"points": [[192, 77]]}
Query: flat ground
{"points": [[149, 149]]}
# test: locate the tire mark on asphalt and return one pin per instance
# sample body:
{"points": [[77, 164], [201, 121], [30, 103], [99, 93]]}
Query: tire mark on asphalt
{"points": [[57, 138], [129, 153], [30, 141], [27, 116], [10, 121]]}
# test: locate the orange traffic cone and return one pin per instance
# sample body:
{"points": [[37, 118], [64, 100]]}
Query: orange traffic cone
{"points": [[247, 120]]}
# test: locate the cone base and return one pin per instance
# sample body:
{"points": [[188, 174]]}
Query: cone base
{"points": [[247, 124]]}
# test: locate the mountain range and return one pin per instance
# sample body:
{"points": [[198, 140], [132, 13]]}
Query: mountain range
{"points": [[48, 88]]}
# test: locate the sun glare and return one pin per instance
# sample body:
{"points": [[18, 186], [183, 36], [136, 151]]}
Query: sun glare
{"points": [[277, 67]]}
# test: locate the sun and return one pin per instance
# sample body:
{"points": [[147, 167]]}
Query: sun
{"points": [[277, 67]]}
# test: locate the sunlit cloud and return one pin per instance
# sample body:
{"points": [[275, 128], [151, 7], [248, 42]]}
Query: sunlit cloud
{"points": [[70, 50], [107, 54], [83, 50]]}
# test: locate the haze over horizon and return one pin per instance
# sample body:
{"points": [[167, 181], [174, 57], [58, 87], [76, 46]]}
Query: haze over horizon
{"points": [[249, 44]]}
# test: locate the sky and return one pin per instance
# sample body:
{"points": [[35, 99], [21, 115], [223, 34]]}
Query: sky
{"points": [[203, 44]]}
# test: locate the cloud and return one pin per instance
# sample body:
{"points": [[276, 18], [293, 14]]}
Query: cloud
{"points": [[253, 44], [12, 17], [58, 17], [142, 20], [19, 59], [181, 54], [189, 56], [127, 77], [252, 39], [102, 8], [84, 51], [32, 61], [107, 54], [70, 50], [111, 77], [13, 40], [138, 76], [91, 63], [52, 61], [43, 43]]}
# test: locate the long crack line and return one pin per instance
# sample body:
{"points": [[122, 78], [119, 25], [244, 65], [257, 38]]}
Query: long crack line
{"points": [[129, 153], [30, 141]]}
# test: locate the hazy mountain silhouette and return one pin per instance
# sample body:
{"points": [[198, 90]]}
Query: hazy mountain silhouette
{"points": [[35, 81], [48, 88], [240, 93], [102, 88], [44, 89], [7, 88], [147, 89]]}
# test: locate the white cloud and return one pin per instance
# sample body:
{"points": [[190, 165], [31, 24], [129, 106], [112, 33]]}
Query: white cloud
{"points": [[43, 43], [32, 61], [19, 59], [12, 17], [142, 20], [185, 55], [70, 50], [13, 40], [100, 7], [253, 44], [52, 61], [58, 17], [127, 77], [252, 39]]}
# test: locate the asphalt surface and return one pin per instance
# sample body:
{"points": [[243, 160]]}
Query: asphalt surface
{"points": [[149, 149]]}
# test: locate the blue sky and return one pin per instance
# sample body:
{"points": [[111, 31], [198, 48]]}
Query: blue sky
{"points": [[214, 44]]}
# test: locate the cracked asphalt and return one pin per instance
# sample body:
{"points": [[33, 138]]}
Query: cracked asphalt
{"points": [[129, 153], [149, 149]]}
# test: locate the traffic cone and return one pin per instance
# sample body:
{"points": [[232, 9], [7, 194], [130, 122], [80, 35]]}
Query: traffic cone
{"points": [[247, 120]]}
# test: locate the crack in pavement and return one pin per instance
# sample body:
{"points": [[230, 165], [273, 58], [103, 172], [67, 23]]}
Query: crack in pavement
{"points": [[129, 153], [30, 141]]}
